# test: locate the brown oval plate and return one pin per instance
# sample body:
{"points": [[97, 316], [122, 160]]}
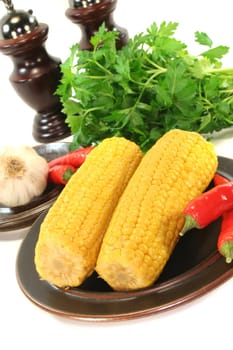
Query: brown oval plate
{"points": [[20, 217], [194, 269]]}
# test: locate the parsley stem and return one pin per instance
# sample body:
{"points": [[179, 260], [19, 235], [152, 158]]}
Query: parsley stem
{"points": [[87, 111], [160, 69], [98, 77], [228, 121], [145, 85], [101, 67], [226, 91], [228, 99], [222, 71]]}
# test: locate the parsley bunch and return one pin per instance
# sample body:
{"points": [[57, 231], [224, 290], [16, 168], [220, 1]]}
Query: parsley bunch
{"points": [[152, 85]]}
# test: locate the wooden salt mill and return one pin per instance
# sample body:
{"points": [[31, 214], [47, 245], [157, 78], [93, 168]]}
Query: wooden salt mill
{"points": [[89, 15], [36, 74]]}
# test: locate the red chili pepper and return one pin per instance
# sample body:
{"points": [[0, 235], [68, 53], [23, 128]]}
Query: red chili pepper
{"points": [[75, 158], [60, 174], [225, 238], [209, 206], [219, 179]]}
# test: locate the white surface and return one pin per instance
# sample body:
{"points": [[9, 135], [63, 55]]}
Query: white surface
{"points": [[202, 324]]}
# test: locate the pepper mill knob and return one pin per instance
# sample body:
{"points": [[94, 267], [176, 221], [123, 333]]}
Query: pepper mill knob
{"points": [[36, 74], [89, 15]]}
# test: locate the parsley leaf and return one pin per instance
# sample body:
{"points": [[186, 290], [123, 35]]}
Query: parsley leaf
{"points": [[203, 39]]}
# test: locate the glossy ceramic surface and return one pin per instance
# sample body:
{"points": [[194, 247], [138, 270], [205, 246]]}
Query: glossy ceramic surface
{"points": [[15, 218], [194, 269]]}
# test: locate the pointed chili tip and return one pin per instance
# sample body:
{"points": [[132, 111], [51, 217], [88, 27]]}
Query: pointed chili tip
{"points": [[227, 251], [189, 224]]}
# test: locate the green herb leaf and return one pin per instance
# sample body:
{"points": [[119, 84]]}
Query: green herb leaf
{"points": [[216, 53], [203, 39]]}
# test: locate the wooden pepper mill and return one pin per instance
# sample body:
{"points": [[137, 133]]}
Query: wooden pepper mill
{"points": [[36, 74], [89, 15]]}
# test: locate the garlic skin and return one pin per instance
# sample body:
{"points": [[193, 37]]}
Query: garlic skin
{"points": [[23, 175]]}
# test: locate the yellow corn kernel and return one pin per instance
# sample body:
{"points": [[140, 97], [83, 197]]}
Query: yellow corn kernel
{"points": [[72, 231], [146, 223]]}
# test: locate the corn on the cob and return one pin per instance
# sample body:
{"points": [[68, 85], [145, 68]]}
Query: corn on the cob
{"points": [[72, 231], [146, 223]]}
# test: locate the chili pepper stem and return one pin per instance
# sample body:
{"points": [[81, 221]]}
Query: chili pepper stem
{"points": [[189, 224], [67, 174], [227, 251]]}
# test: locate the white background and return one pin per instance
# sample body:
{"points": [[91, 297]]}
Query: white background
{"points": [[203, 324]]}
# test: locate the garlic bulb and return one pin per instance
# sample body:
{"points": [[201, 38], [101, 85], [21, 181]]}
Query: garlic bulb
{"points": [[23, 175]]}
